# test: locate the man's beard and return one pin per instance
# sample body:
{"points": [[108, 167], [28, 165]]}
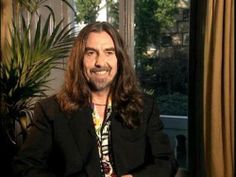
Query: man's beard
{"points": [[100, 84]]}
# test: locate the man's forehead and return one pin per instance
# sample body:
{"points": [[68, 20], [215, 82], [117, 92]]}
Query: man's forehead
{"points": [[99, 36]]}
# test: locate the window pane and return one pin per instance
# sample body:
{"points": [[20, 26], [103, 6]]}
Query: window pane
{"points": [[94, 10], [161, 61]]}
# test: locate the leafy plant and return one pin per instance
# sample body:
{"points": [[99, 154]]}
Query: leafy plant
{"points": [[151, 19], [87, 10], [173, 104], [30, 58]]}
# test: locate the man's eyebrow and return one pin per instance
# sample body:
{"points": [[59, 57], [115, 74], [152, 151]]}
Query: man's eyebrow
{"points": [[90, 48], [95, 50], [110, 49]]}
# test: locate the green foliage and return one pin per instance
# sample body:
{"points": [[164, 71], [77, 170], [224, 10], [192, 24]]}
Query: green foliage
{"points": [[165, 75], [173, 104], [87, 11], [171, 74], [151, 17], [25, 71], [29, 60], [164, 14], [113, 13], [31, 6]]}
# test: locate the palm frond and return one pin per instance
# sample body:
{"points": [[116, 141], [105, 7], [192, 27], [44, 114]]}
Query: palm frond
{"points": [[25, 73]]}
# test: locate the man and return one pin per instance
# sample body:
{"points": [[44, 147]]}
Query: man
{"points": [[100, 123]]}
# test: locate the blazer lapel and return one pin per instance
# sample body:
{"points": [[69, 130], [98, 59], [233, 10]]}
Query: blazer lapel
{"points": [[82, 129], [80, 122], [116, 127]]}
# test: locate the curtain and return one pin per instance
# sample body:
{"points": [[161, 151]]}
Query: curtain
{"points": [[211, 89], [6, 15], [218, 88]]}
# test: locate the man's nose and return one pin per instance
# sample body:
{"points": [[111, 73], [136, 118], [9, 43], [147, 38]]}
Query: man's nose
{"points": [[100, 60]]}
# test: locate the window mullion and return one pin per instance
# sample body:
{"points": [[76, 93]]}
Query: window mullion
{"points": [[126, 24]]}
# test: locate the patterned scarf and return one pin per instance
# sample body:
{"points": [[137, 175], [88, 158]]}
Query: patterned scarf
{"points": [[103, 132]]}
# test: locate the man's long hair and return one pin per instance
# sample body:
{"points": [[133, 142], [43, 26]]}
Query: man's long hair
{"points": [[125, 92]]}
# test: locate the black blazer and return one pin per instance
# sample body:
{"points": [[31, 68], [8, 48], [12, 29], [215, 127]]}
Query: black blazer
{"points": [[64, 144]]}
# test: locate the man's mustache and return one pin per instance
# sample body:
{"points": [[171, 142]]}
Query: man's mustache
{"points": [[96, 69]]}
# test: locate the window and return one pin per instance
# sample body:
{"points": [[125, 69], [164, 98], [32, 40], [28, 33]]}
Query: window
{"points": [[161, 30], [93, 10]]}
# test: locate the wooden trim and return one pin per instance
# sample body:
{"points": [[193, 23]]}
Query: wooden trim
{"points": [[126, 24], [6, 16]]}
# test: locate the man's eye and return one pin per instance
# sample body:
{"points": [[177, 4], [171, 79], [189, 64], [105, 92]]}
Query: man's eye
{"points": [[109, 53], [90, 53]]}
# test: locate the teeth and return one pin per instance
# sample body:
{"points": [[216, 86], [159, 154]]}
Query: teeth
{"points": [[101, 72]]}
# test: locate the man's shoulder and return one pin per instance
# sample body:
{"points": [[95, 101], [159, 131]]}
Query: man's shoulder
{"points": [[49, 101], [148, 99], [150, 104], [50, 104], [50, 107]]}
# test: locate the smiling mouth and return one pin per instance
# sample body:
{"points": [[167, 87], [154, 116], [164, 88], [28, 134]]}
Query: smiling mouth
{"points": [[100, 72]]}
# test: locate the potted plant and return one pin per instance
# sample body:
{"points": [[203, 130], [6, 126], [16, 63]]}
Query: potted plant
{"points": [[31, 55]]}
